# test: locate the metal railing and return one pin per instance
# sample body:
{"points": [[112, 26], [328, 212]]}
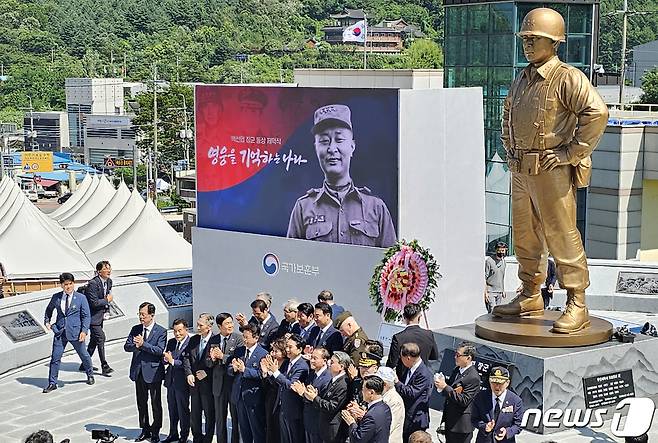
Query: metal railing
{"points": [[634, 107]]}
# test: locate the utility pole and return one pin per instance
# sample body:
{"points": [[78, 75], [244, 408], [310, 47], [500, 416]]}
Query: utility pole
{"points": [[187, 135], [624, 31], [622, 74], [155, 133], [32, 134]]}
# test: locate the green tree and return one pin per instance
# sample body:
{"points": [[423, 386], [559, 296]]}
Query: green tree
{"points": [[171, 119], [423, 54], [650, 87], [126, 174]]}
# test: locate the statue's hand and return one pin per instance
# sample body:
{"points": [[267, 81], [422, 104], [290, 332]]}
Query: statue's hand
{"points": [[553, 158]]}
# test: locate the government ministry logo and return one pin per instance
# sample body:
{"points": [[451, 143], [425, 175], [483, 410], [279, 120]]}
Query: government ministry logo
{"points": [[271, 264]]}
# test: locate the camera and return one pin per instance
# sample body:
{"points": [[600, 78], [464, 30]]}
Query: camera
{"points": [[103, 435]]}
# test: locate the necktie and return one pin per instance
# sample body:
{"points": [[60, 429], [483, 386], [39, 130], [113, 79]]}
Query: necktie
{"points": [[178, 346], [319, 340], [224, 340], [68, 300], [497, 409], [246, 357], [202, 346], [409, 374], [146, 334]]}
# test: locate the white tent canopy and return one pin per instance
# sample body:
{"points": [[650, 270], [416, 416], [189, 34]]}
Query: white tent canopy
{"points": [[103, 217], [148, 245], [75, 198], [28, 246], [91, 206], [96, 223], [115, 227], [88, 192]]}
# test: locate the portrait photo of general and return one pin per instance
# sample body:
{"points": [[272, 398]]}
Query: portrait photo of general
{"points": [[316, 164]]}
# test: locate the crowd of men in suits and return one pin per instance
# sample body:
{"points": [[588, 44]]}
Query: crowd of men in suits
{"points": [[314, 377]]}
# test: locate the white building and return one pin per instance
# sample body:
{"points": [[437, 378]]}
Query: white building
{"points": [[622, 200], [645, 58], [108, 136], [91, 96]]}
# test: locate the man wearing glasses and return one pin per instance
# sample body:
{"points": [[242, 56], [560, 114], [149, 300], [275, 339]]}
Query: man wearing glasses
{"points": [[459, 391]]}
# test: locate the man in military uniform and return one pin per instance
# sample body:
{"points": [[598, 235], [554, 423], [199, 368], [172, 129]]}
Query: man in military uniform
{"points": [[355, 337], [552, 120], [339, 212]]}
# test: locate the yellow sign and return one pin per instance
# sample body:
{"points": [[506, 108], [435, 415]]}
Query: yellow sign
{"points": [[40, 161]]}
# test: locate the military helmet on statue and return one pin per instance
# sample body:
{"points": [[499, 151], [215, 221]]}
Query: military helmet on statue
{"points": [[543, 22]]}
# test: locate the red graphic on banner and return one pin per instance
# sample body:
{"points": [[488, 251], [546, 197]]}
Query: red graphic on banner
{"points": [[242, 129]]}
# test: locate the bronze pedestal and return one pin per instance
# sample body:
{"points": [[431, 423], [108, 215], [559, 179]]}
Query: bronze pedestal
{"points": [[536, 331]]}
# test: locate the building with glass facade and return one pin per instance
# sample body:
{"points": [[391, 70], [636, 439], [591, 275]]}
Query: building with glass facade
{"points": [[481, 49]]}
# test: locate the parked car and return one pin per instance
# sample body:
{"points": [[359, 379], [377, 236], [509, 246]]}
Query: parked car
{"points": [[64, 198], [32, 195], [50, 194]]}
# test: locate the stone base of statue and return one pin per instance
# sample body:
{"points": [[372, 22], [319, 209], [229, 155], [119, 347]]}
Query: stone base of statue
{"points": [[565, 378], [537, 331]]}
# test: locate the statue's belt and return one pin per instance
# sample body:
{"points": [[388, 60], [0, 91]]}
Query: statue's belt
{"points": [[525, 161]]}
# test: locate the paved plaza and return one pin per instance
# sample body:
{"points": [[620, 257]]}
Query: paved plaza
{"points": [[74, 409]]}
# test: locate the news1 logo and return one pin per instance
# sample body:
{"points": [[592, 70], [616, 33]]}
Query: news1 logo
{"points": [[638, 417]]}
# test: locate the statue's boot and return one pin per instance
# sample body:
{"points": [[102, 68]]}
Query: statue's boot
{"points": [[575, 316], [521, 306]]}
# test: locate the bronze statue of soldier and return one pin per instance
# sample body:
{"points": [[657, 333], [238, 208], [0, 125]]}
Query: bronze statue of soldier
{"points": [[553, 119]]}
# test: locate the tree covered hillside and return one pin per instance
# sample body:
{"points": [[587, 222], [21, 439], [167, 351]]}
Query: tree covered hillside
{"points": [[44, 41]]}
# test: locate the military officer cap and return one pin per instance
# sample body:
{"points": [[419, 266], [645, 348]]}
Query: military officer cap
{"points": [[499, 375], [331, 116], [369, 359], [341, 318], [252, 98]]}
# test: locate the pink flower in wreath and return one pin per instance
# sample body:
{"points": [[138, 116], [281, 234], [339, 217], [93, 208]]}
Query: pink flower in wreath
{"points": [[403, 280]]}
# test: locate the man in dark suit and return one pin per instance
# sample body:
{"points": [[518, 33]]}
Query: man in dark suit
{"points": [[305, 314], [319, 378], [328, 297], [332, 401], [295, 369], [289, 324], [375, 425], [459, 391], [266, 321], [71, 326], [324, 335], [497, 411], [147, 342], [99, 296], [222, 350], [415, 389], [248, 395], [413, 333], [178, 391], [196, 371]]}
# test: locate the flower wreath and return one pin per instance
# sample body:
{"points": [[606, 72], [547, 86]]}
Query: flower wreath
{"points": [[408, 273]]}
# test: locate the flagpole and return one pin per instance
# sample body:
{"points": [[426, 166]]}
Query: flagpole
{"points": [[365, 40]]}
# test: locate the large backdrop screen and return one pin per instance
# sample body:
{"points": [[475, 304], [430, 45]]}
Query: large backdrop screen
{"points": [[310, 163]]}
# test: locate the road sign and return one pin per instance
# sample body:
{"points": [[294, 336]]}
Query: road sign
{"points": [[114, 162], [39, 161]]}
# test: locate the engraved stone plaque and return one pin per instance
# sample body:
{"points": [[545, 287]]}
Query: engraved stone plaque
{"points": [[21, 326], [638, 283], [176, 294]]}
